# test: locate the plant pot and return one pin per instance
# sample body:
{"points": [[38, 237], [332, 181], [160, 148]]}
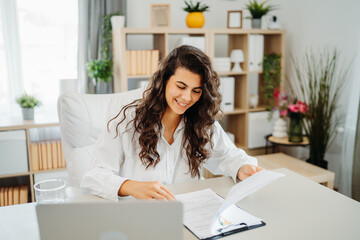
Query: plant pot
{"points": [[117, 22], [256, 23], [295, 130], [28, 113], [321, 163], [195, 20]]}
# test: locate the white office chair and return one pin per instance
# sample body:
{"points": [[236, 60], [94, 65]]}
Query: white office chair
{"points": [[82, 118]]}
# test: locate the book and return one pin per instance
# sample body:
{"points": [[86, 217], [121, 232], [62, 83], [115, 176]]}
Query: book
{"points": [[10, 195], [41, 167], [128, 62], [6, 199], [16, 195], [54, 154], [24, 194], [208, 215], [62, 158], [2, 197], [49, 155], [34, 155], [43, 156], [155, 55]]}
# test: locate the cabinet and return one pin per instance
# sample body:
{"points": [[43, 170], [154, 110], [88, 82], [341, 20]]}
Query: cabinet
{"points": [[236, 121], [27, 156]]}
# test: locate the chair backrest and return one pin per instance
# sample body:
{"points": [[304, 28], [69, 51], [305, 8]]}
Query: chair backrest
{"points": [[82, 118]]}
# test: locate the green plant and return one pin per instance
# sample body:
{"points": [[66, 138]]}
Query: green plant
{"points": [[257, 10], [198, 7], [106, 36], [100, 70], [271, 77], [318, 81], [28, 101]]}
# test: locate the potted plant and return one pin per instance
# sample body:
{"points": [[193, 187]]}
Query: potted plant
{"points": [[195, 17], [99, 70], [257, 10], [27, 104], [318, 81]]}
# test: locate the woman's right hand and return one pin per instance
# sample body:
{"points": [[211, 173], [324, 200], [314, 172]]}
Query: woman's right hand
{"points": [[145, 190]]}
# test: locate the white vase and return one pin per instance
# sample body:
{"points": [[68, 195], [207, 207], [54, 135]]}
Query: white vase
{"points": [[117, 22], [280, 128]]}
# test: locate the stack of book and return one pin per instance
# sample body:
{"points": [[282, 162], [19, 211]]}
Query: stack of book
{"points": [[142, 62], [13, 195], [46, 155]]}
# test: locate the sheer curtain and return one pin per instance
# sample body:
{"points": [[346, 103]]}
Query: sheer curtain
{"points": [[348, 147], [91, 13], [11, 66], [38, 47], [356, 165]]}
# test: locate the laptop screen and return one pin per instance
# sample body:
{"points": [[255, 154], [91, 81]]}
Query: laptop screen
{"points": [[126, 220]]}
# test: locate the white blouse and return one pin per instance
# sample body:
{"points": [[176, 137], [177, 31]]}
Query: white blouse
{"points": [[117, 159]]}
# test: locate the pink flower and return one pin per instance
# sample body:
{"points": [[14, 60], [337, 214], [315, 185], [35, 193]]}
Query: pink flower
{"points": [[276, 93], [294, 108], [283, 113]]}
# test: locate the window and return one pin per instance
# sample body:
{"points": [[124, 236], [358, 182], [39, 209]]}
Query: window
{"points": [[48, 48]]}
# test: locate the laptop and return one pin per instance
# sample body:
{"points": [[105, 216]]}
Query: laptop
{"points": [[128, 220]]}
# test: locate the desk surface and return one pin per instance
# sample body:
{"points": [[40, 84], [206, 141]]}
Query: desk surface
{"points": [[293, 207]]}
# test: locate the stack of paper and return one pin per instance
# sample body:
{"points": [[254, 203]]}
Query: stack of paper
{"points": [[208, 215]]}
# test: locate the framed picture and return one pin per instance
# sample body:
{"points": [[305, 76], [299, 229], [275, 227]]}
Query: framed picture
{"points": [[234, 19], [160, 15]]}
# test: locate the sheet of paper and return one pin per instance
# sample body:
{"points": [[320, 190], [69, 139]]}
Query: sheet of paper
{"points": [[243, 189], [199, 209]]}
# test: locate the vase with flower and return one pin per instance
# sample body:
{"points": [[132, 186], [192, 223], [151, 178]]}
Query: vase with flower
{"points": [[296, 112]]}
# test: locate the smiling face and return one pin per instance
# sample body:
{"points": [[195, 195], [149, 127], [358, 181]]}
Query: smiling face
{"points": [[183, 90]]}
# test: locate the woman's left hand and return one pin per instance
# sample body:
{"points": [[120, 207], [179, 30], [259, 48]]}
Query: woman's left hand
{"points": [[247, 170]]}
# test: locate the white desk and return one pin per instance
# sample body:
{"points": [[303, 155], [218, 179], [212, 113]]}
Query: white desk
{"points": [[293, 207]]}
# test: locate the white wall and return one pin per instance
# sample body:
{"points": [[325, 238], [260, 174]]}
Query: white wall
{"points": [[308, 23]]}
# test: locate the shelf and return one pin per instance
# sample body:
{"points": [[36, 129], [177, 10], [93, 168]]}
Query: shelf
{"points": [[49, 170], [232, 73], [235, 111], [258, 109], [15, 175]]}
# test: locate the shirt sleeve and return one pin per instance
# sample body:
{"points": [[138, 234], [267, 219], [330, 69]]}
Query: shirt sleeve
{"points": [[102, 177], [225, 157]]}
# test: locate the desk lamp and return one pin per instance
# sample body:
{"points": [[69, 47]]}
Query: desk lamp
{"points": [[237, 57]]}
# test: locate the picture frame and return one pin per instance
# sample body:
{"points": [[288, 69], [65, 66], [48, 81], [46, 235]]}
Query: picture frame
{"points": [[234, 19], [160, 15]]}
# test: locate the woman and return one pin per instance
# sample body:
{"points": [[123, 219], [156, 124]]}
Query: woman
{"points": [[168, 136]]}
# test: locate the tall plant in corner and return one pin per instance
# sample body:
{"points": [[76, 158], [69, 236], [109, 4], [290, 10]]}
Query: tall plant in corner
{"points": [[101, 69], [319, 81]]}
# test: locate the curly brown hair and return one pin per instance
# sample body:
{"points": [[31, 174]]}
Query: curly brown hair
{"points": [[198, 119]]}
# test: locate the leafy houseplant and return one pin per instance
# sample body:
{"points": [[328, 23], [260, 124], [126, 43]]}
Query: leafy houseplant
{"points": [[257, 10], [195, 18], [102, 70], [319, 81], [27, 104], [271, 77]]}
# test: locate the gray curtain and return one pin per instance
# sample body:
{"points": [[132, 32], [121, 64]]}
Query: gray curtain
{"points": [[356, 164], [91, 13]]}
